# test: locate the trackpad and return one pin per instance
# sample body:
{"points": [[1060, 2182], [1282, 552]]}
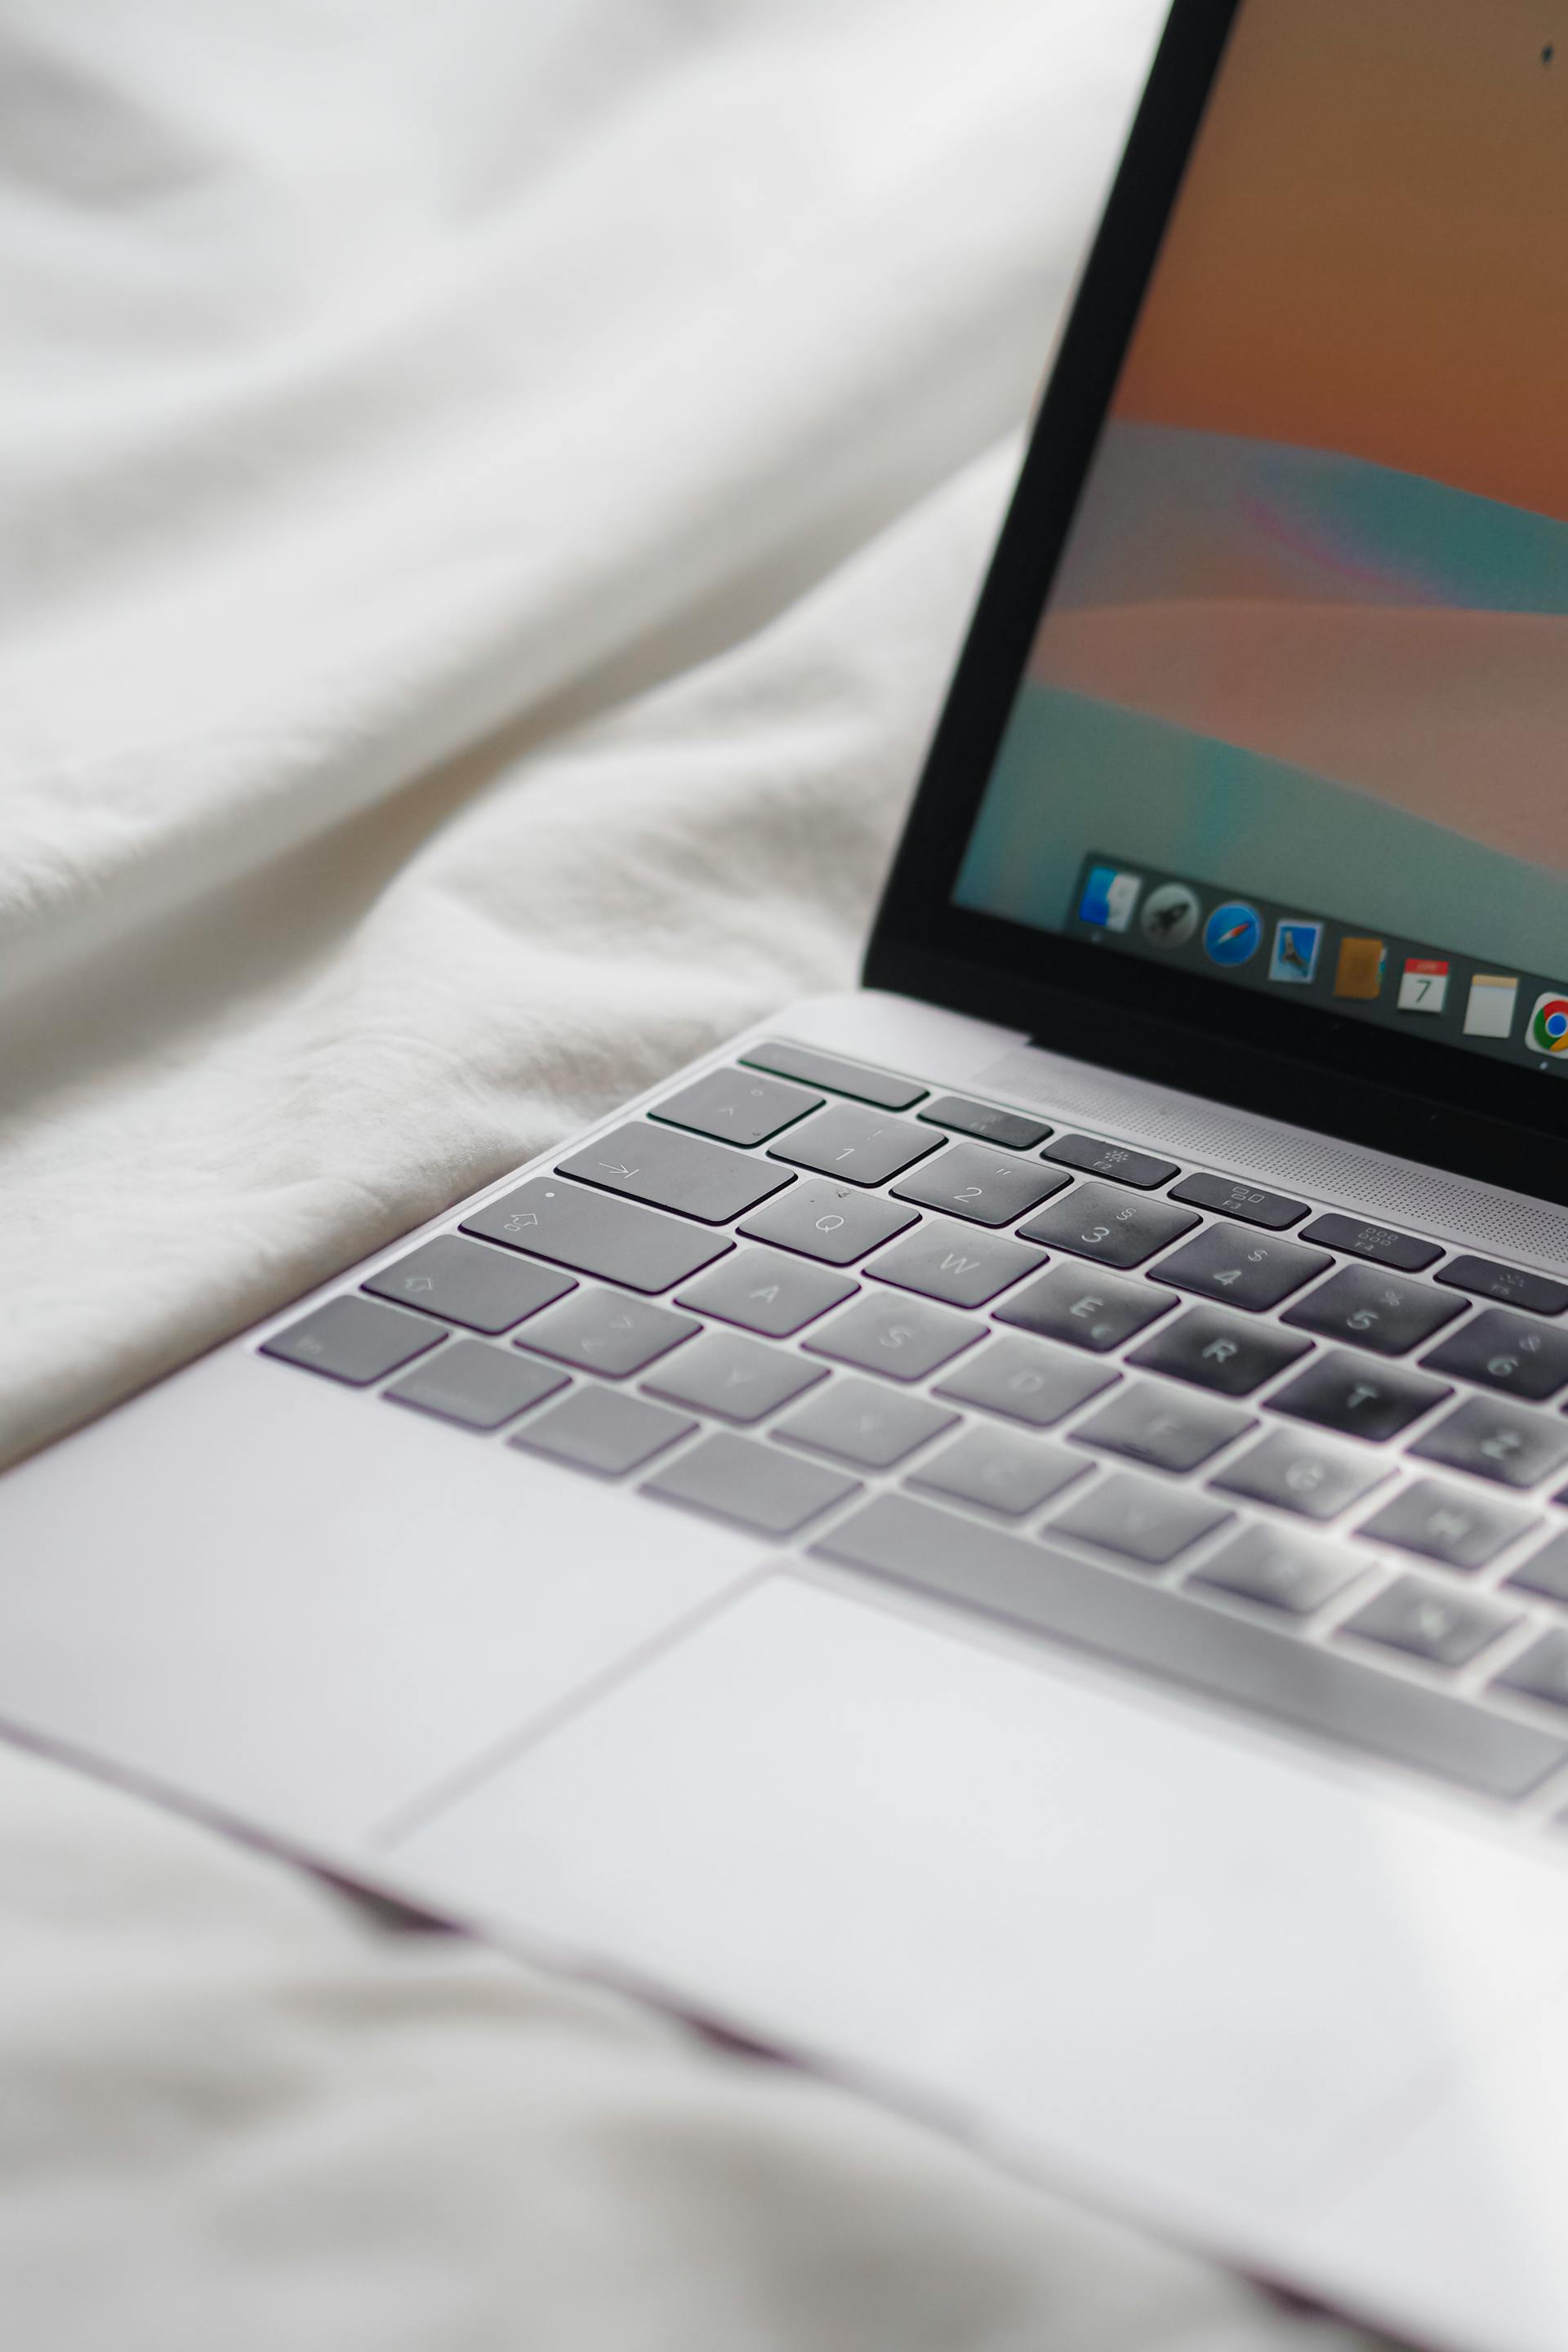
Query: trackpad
{"points": [[1157, 1948]]}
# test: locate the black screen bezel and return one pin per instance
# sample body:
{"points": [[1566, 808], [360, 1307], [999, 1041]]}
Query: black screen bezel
{"points": [[1428, 1102]]}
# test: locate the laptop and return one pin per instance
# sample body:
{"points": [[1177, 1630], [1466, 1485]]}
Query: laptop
{"points": [[1006, 1534]]}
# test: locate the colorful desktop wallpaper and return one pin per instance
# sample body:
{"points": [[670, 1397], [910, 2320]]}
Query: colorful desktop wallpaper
{"points": [[1310, 637]]}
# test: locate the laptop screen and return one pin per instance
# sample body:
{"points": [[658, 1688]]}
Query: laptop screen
{"points": [[1296, 716]]}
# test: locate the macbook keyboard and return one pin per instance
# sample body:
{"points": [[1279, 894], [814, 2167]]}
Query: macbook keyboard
{"points": [[1048, 1377]]}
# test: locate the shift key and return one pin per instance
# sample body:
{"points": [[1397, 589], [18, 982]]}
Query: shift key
{"points": [[619, 1241]]}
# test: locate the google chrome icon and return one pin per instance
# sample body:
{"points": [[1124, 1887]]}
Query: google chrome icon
{"points": [[1548, 1030]]}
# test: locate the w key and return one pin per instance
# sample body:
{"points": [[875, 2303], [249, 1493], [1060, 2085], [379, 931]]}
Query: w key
{"points": [[672, 1170], [955, 1263]]}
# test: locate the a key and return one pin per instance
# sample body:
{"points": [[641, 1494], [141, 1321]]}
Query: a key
{"points": [[476, 1386], [856, 1146], [1511, 1285], [737, 1107], [602, 1429], [605, 1331], [816, 1069], [864, 1422], [1138, 1519], [1097, 1312], [1373, 1309], [1301, 1474], [1249, 1203], [1006, 1127], [1383, 1246], [1232, 1264], [1000, 1469], [1151, 1422], [464, 1282], [1219, 1351], [761, 1488], [671, 1170], [354, 1340], [762, 1290], [967, 1268], [1545, 1571], [595, 1233], [831, 1221], [1027, 1380], [1541, 1673], [971, 1182], [904, 1339], [1446, 1629], [1507, 1352], [1115, 1229], [1358, 1396], [1280, 1568], [1171, 1638], [1447, 1524], [739, 1378], [1140, 1169], [1493, 1439]]}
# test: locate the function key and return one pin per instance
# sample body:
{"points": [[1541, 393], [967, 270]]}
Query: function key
{"points": [[1094, 1222], [736, 1108], [1219, 1351], [855, 1145], [814, 1069], [1232, 1198], [354, 1340], [675, 1171], [1512, 1285], [1373, 1310], [1227, 1262], [1137, 1167], [1381, 1243], [1008, 1127], [1502, 1351], [971, 1182]]}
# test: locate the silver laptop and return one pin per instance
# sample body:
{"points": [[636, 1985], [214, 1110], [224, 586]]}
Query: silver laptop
{"points": [[1006, 1534]]}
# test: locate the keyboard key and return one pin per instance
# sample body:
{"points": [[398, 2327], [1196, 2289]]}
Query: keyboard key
{"points": [[1216, 1350], [353, 1340], [602, 1429], [1172, 1638], [1541, 1673], [605, 1331], [1151, 1422], [1280, 1568], [758, 1486], [831, 1221], [736, 1106], [904, 1339], [1545, 1571], [1110, 1227], [464, 1282], [816, 1069], [1095, 1159], [1446, 1629], [1139, 1520], [1502, 1350], [477, 1386], [1233, 1198], [1027, 1381], [1298, 1474], [941, 1260], [1000, 1469], [856, 1146], [1358, 1396], [1447, 1523], [1379, 1243], [671, 1170], [1228, 1262], [762, 1290], [1375, 1310], [1088, 1310], [1493, 1439], [738, 1379], [968, 1181], [1512, 1285], [864, 1422], [1008, 1127], [596, 1235]]}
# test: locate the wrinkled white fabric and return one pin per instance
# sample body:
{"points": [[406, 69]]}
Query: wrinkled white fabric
{"points": [[489, 494]]}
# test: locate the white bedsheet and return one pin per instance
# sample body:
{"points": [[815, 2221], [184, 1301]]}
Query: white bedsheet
{"points": [[491, 489]]}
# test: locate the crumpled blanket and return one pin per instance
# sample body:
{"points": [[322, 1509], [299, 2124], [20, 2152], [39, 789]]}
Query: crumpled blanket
{"points": [[490, 494]]}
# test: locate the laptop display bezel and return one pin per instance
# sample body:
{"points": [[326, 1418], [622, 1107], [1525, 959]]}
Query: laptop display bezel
{"points": [[1428, 1102]]}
